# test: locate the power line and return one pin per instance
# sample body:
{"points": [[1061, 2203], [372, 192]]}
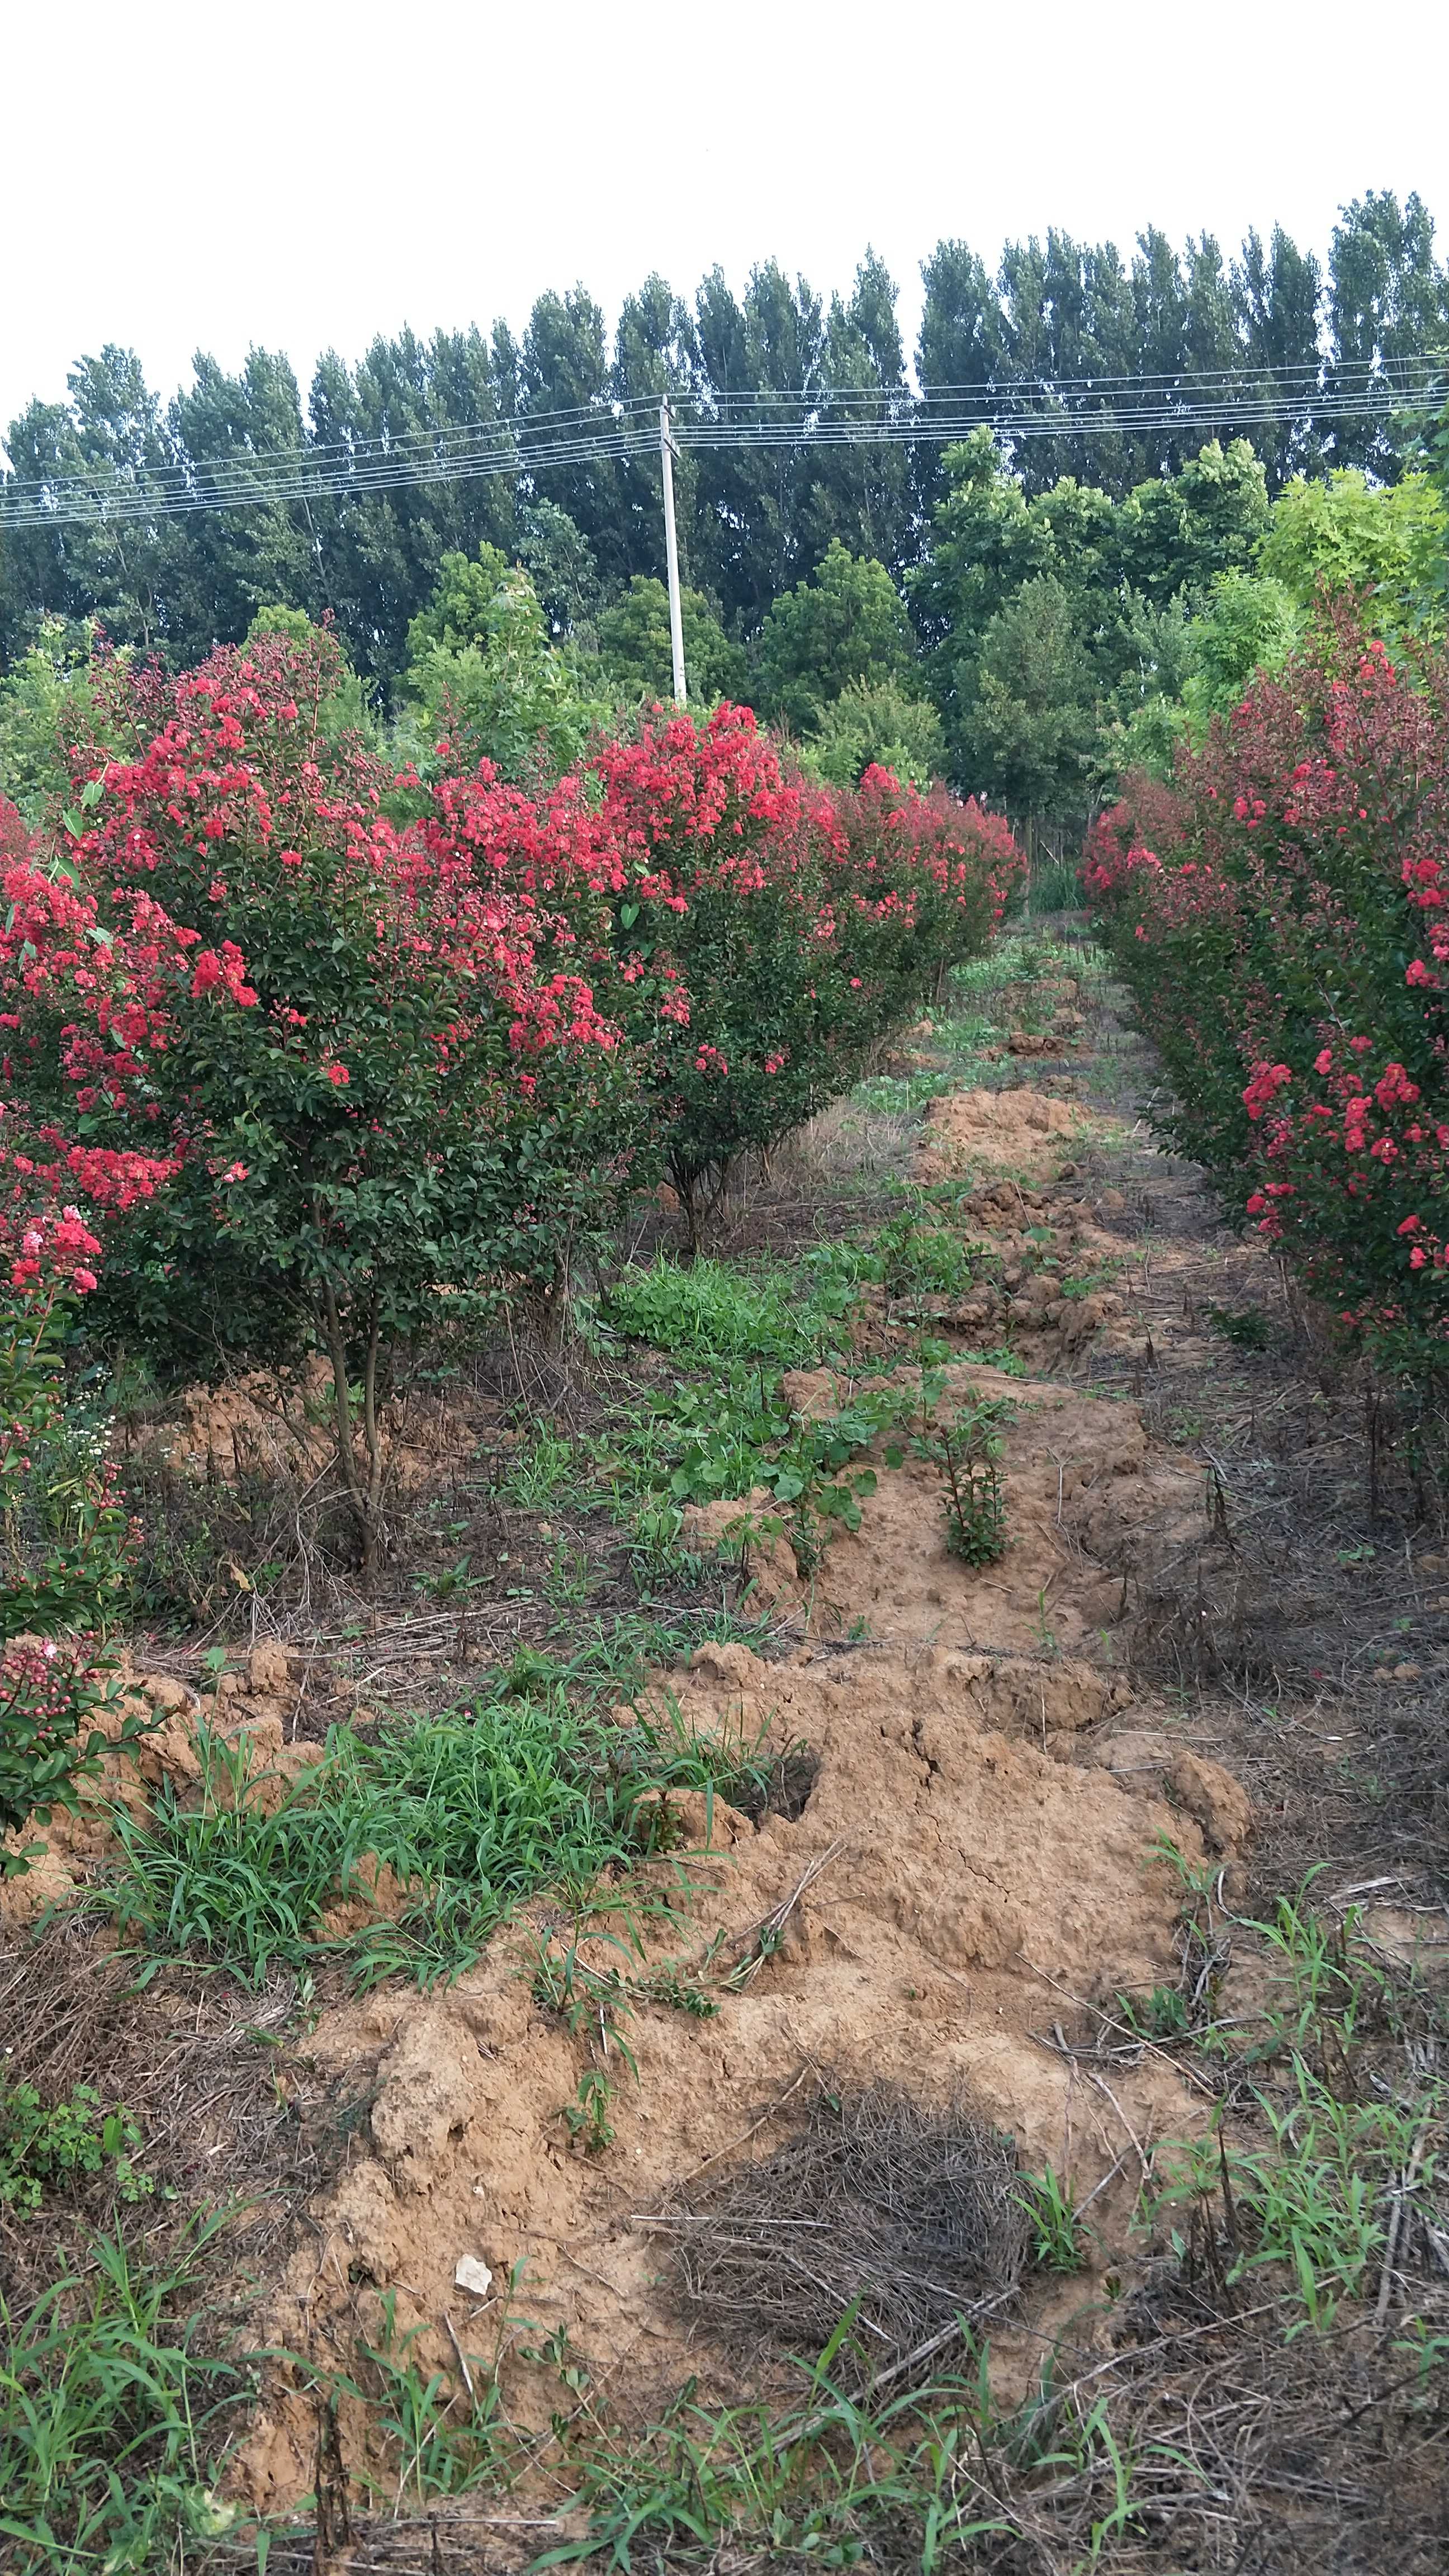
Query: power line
{"points": [[626, 431]]}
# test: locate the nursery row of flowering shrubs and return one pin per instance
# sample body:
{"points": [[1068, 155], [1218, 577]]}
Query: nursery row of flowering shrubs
{"points": [[331, 1058], [1281, 913]]}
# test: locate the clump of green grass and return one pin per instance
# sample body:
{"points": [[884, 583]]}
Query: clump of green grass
{"points": [[916, 1260], [445, 2440], [1317, 2200], [1056, 2228], [539, 1470], [472, 1812], [787, 1313], [1248, 1328], [109, 2416]]}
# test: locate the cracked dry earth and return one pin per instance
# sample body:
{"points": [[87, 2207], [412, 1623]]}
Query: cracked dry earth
{"points": [[974, 1861]]}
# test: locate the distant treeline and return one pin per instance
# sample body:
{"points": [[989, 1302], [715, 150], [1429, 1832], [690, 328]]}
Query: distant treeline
{"points": [[754, 520]]}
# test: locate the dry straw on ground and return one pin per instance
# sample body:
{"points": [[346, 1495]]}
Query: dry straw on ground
{"points": [[905, 2219]]}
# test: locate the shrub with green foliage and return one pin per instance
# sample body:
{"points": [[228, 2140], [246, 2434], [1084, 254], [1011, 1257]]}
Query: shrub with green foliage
{"points": [[44, 696], [638, 656], [47, 2147], [1280, 913], [878, 724], [485, 677], [1381, 544]]}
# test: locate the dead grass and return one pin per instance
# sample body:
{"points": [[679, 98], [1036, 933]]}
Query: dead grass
{"points": [[228, 2114], [905, 2219]]}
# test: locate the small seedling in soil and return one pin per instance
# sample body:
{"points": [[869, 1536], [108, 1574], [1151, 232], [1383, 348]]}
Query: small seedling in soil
{"points": [[967, 1452], [1055, 2227], [1046, 1637], [451, 1582], [1248, 1331], [1161, 2015], [587, 2117]]}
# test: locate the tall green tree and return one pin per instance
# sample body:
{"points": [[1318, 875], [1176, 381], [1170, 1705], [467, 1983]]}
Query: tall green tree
{"points": [[848, 623], [378, 551], [117, 568], [1031, 726], [861, 493], [878, 721], [637, 654], [1388, 299], [1276, 296], [230, 561], [1129, 572]]}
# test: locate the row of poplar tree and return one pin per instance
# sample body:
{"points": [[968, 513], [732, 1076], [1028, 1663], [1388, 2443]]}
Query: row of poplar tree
{"points": [[752, 520]]}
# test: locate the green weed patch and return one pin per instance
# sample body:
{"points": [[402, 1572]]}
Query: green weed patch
{"points": [[48, 2148], [471, 1813], [110, 2417], [790, 1314]]}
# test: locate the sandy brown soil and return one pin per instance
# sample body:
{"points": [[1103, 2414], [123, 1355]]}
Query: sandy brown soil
{"points": [[975, 1861]]}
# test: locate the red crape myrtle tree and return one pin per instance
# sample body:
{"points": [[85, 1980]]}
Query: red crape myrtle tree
{"points": [[767, 933], [930, 875], [1282, 914], [374, 1080]]}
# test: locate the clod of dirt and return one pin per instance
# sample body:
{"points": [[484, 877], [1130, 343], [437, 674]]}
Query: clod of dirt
{"points": [[1216, 1801], [372, 1895], [425, 2098], [1017, 1130]]}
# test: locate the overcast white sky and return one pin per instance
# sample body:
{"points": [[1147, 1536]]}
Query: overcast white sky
{"points": [[304, 174]]}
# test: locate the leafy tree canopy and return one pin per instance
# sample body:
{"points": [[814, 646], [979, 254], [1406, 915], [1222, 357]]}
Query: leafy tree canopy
{"points": [[878, 722], [848, 624], [44, 698], [485, 675], [1032, 722], [1349, 534], [635, 648], [460, 611]]}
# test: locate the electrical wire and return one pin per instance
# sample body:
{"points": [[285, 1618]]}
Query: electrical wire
{"points": [[624, 431]]}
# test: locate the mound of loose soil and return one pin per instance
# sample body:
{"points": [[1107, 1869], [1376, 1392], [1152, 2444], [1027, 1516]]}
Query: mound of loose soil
{"points": [[961, 1882], [1014, 1130]]}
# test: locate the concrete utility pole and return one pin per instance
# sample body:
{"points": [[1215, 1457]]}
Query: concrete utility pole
{"points": [[667, 453]]}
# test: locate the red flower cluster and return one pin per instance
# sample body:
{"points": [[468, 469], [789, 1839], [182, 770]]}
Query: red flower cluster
{"points": [[1282, 912], [338, 1042]]}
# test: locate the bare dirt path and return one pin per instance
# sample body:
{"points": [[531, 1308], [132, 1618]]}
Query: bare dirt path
{"points": [[997, 1754]]}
